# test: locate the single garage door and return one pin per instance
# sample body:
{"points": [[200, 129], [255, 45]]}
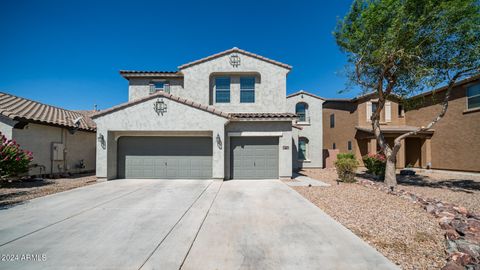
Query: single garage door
{"points": [[254, 158], [165, 157]]}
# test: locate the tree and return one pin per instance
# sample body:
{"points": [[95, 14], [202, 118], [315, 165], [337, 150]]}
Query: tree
{"points": [[402, 47]]}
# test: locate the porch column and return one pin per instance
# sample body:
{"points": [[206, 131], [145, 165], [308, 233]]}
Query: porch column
{"points": [[426, 152], [372, 147], [401, 155]]}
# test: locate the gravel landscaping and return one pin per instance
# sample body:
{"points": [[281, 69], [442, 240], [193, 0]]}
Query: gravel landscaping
{"points": [[404, 232], [17, 192]]}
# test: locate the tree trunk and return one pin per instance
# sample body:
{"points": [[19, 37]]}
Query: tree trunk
{"points": [[390, 169]]}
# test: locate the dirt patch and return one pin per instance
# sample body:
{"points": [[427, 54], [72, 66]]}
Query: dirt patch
{"points": [[402, 231], [17, 192]]}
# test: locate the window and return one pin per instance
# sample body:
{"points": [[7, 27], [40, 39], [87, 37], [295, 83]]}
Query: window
{"points": [[401, 111], [473, 96], [334, 146], [302, 148], [349, 145], [332, 120], [222, 90], [301, 111], [374, 107], [247, 89], [159, 86]]}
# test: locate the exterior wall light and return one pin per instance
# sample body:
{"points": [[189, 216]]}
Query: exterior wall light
{"points": [[160, 107], [219, 141], [101, 140]]}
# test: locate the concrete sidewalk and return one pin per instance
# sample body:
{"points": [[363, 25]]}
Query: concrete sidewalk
{"points": [[173, 224]]}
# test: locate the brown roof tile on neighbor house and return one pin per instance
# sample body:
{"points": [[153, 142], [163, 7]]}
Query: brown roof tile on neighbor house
{"points": [[263, 116], [22, 109], [165, 95], [237, 50]]}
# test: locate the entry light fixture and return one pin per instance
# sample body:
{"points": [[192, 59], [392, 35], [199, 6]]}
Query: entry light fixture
{"points": [[219, 141], [160, 107], [101, 140]]}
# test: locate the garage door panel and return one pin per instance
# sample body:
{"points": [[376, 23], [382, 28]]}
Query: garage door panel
{"points": [[254, 157], [165, 157]]}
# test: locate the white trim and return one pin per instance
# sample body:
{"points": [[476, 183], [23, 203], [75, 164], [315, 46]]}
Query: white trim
{"points": [[255, 134], [369, 111], [388, 112]]}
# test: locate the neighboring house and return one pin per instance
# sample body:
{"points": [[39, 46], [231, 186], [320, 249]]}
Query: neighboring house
{"points": [[307, 144], [452, 144], [224, 116], [61, 141]]}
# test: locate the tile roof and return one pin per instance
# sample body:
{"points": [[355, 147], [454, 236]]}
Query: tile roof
{"points": [[262, 115], [141, 74], [237, 50], [190, 103], [304, 93], [22, 109], [196, 105]]}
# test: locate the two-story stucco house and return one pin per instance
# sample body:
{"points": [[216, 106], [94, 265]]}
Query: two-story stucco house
{"points": [[222, 117]]}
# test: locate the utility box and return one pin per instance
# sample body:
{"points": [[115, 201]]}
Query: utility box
{"points": [[58, 150]]}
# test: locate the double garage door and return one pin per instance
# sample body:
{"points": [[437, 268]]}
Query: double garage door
{"points": [[165, 157], [191, 157]]}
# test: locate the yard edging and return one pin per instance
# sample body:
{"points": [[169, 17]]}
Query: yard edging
{"points": [[462, 227]]}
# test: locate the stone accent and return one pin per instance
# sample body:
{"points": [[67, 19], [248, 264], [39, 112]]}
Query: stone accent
{"points": [[462, 227]]}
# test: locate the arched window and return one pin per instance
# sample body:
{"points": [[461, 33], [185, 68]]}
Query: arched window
{"points": [[301, 109], [302, 148]]}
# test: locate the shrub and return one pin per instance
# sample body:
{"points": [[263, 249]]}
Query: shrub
{"points": [[13, 160], [375, 164], [346, 168], [345, 155]]}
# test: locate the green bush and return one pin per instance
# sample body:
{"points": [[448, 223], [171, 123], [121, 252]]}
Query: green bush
{"points": [[346, 168], [13, 160], [345, 155], [375, 164]]}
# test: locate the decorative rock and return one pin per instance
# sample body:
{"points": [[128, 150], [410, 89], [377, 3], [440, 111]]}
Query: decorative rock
{"points": [[430, 208], [468, 248], [451, 234], [461, 210], [452, 266], [461, 258]]}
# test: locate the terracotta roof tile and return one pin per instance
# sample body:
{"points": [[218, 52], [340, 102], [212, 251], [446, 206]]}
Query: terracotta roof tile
{"points": [[22, 109], [146, 73], [262, 115], [237, 50]]}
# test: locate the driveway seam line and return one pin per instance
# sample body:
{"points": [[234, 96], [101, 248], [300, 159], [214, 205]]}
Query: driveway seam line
{"points": [[69, 217], [174, 225], [200, 227]]}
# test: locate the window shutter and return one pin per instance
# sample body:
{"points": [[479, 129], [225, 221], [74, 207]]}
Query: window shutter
{"points": [[388, 112], [152, 88], [166, 88], [369, 110]]}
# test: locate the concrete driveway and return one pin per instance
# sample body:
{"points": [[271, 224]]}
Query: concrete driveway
{"points": [[173, 224]]}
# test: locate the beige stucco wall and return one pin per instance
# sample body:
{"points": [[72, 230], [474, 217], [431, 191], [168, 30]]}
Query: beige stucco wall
{"points": [[140, 119], [346, 118], [270, 91], [6, 126], [312, 130], [140, 87], [39, 138], [455, 143], [265, 128]]}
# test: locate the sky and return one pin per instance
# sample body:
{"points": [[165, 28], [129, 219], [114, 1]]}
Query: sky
{"points": [[69, 53]]}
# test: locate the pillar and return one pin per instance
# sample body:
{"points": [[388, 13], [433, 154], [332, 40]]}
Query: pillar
{"points": [[372, 147], [401, 155]]}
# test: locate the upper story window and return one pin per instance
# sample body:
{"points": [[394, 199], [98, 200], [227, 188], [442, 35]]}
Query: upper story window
{"points": [[222, 89], [302, 148], [401, 111], [349, 145], [301, 110], [473, 96], [159, 86], [247, 89], [374, 107], [332, 120]]}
